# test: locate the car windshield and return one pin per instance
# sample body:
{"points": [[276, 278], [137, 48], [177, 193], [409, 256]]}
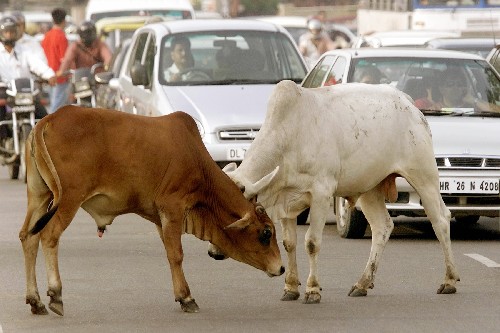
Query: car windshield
{"points": [[437, 86], [229, 57]]}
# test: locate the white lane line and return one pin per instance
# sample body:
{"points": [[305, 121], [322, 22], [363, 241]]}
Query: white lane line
{"points": [[1, 331], [483, 260]]}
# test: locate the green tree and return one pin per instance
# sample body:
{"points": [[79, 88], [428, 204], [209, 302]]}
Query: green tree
{"points": [[259, 7]]}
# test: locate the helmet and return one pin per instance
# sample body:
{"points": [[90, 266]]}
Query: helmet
{"points": [[87, 32], [314, 24], [9, 30], [20, 18]]}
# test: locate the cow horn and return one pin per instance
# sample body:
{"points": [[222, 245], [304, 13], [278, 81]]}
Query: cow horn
{"points": [[230, 167], [253, 189], [241, 223]]}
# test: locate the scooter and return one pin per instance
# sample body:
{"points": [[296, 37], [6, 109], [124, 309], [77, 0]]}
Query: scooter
{"points": [[84, 85], [18, 97]]}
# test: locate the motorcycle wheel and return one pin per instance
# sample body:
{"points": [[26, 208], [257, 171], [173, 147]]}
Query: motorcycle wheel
{"points": [[12, 167]]}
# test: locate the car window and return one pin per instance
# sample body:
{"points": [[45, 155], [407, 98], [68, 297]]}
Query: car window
{"points": [[496, 60], [336, 74], [316, 76], [437, 84], [137, 51], [230, 57]]}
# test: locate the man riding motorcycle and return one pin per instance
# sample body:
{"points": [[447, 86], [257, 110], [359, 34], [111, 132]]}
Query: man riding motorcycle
{"points": [[17, 61]]}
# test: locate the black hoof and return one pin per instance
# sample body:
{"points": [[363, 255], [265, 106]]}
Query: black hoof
{"points": [[190, 306], [290, 296], [312, 298], [217, 256], [37, 307], [356, 292], [446, 289]]}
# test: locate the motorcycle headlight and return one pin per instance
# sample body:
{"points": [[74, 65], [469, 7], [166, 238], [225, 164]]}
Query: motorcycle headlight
{"points": [[24, 99], [82, 85]]}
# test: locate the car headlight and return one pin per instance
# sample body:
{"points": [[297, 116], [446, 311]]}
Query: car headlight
{"points": [[24, 99]]}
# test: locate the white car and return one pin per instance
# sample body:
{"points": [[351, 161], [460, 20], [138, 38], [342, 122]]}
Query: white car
{"points": [[236, 65], [466, 137]]}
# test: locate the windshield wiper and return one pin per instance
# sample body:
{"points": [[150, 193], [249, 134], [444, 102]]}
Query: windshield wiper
{"points": [[460, 113]]}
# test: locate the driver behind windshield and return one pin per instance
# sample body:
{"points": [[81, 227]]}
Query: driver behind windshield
{"points": [[182, 59]]}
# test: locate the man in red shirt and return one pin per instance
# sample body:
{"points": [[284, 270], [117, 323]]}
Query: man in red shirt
{"points": [[55, 45]]}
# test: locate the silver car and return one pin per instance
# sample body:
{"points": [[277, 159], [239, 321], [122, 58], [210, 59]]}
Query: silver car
{"points": [[233, 68], [459, 93]]}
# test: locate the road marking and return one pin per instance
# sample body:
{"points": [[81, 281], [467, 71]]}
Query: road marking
{"points": [[483, 260], [1, 331]]}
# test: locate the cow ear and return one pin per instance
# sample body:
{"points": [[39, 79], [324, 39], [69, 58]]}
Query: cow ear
{"points": [[241, 223], [230, 167]]}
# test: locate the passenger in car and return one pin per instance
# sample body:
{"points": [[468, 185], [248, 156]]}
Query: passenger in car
{"points": [[181, 57], [370, 75]]}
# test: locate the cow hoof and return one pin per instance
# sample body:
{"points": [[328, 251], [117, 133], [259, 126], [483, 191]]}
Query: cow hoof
{"points": [[190, 306], [37, 307], [290, 296], [446, 289], [357, 292], [312, 298], [57, 307]]}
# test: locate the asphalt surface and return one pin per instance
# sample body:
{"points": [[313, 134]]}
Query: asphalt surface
{"points": [[122, 282]]}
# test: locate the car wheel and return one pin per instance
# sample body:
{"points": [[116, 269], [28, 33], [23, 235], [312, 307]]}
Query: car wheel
{"points": [[302, 218], [351, 222], [470, 219]]}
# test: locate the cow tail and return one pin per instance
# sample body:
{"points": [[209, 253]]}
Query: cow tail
{"points": [[52, 180]]}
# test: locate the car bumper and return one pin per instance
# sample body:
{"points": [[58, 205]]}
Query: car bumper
{"points": [[460, 204]]}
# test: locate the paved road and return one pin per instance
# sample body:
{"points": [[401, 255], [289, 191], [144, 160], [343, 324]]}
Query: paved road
{"points": [[122, 283]]}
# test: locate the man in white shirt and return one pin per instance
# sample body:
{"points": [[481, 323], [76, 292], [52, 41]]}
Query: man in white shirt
{"points": [[181, 57], [17, 62], [27, 41]]}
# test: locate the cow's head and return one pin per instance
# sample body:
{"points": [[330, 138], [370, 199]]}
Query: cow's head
{"points": [[252, 240]]}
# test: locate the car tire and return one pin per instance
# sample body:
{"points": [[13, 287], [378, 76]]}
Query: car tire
{"points": [[469, 219], [351, 222], [302, 218]]}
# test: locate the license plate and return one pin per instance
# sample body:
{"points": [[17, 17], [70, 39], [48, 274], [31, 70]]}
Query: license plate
{"points": [[23, 108], [469, 185], [236, 154]]}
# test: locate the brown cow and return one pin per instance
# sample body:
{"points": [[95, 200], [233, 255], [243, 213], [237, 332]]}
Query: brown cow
{"points": [[112, 163]]}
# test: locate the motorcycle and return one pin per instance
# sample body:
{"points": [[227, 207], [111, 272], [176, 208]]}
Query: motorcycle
{"points": [[18, 97], [84, 85]]}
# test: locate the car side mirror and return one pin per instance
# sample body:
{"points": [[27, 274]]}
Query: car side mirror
{"points": [[139, 75]]}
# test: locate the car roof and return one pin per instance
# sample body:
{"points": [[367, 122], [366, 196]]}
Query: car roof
{"points": [[462, 42], [180, 26], [124, 22], [368, 52]]}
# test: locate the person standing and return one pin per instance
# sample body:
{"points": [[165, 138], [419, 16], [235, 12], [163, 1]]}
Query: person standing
{"points": [[55, 45]]}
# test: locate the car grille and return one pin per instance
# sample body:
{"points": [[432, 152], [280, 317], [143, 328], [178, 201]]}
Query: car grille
{"points": [[240, 134], [468, 162]]}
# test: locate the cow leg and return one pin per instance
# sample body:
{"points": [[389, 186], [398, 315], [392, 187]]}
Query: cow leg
{"points": [[50, 236], [172, 233], [39, 197], [439, 215], [373, 207], [314, 236], [289, 228]]}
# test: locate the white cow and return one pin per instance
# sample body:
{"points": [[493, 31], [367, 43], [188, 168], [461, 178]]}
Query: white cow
{"points": [[348, 141]]}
